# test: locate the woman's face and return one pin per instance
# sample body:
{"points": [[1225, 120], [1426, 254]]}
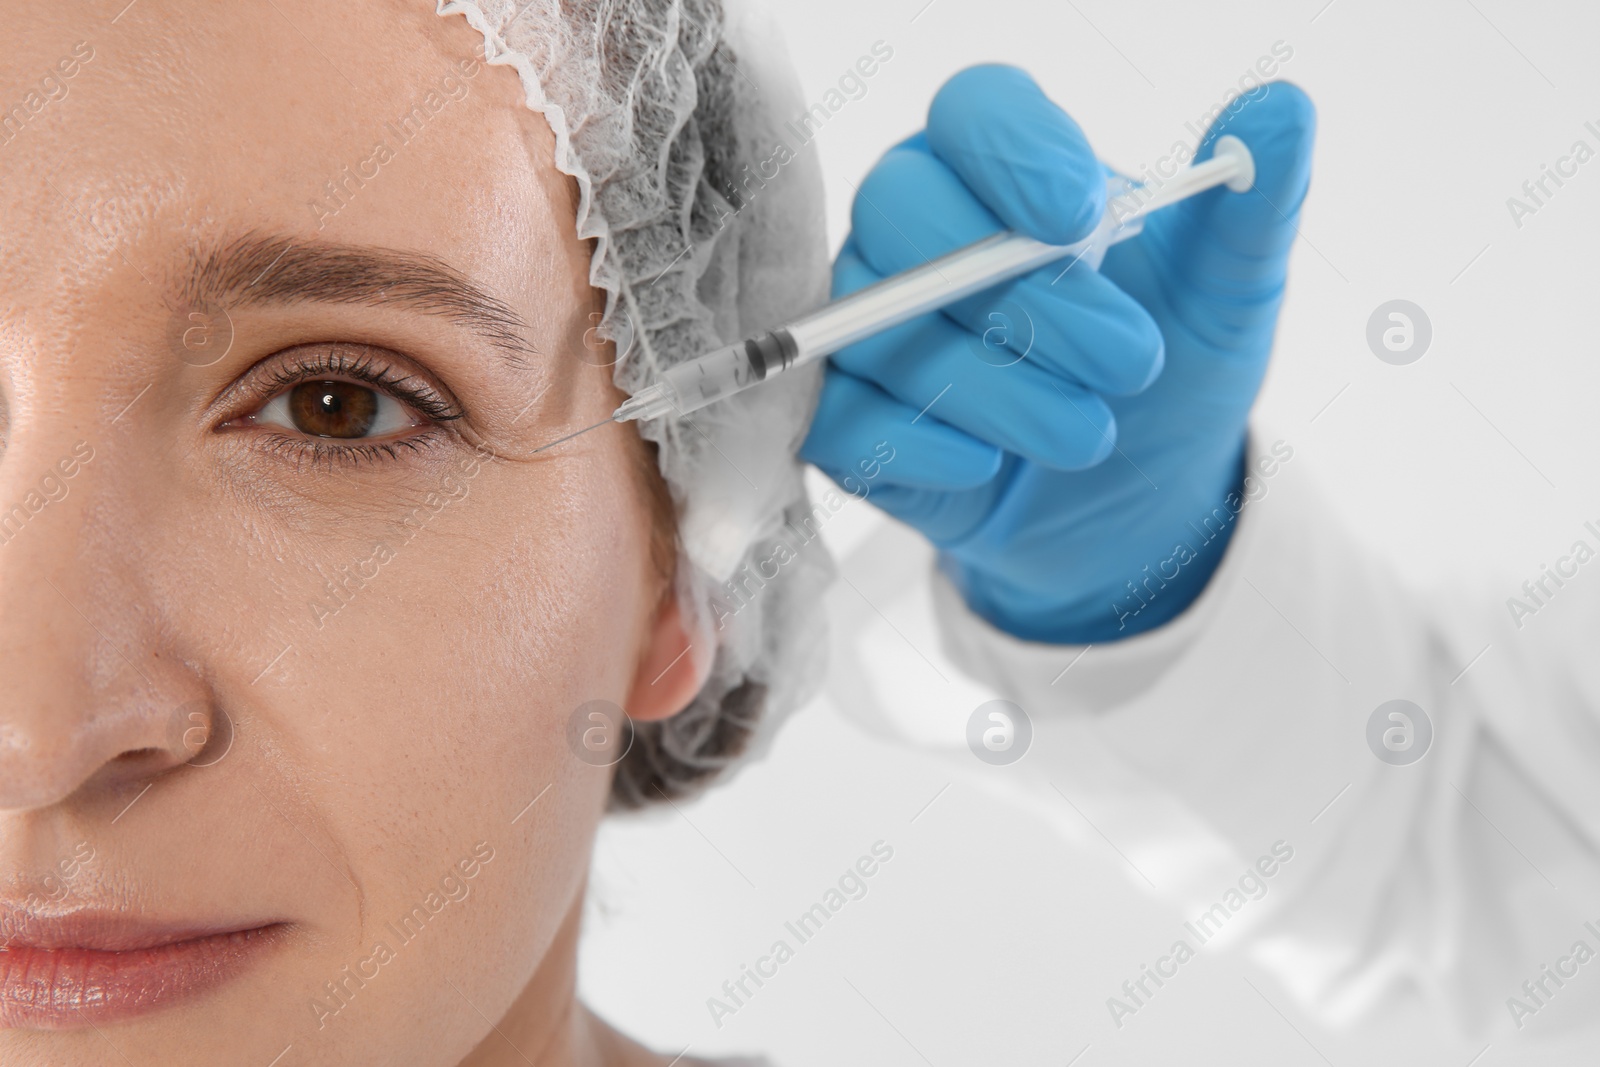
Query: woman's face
{"points": [[291, 623]]}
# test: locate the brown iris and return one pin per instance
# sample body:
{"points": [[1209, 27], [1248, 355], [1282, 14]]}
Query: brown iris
{"points": [[333, 409]]}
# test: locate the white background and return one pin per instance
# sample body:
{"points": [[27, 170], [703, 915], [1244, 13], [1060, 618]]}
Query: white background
{"points": [[997, 932]]}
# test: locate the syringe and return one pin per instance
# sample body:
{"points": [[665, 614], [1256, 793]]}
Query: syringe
{"points": [[902, 297]]}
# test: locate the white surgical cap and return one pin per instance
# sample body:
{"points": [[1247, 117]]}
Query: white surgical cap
{"points": [[707, 221]]}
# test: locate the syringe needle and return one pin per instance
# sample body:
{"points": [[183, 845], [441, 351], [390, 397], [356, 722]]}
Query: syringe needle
{"points": [[570, 436]]}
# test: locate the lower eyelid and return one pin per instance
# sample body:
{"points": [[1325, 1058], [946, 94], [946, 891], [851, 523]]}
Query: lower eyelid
{"points": [[319, 451]]}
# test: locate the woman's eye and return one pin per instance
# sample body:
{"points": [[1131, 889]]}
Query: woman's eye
{"points": [[337, 409]]}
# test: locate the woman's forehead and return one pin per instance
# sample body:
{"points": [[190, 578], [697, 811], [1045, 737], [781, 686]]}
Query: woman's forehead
{"points": [[183, 124]]}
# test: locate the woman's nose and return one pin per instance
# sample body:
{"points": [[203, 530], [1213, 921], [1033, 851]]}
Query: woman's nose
{"points": [[89, 698]]}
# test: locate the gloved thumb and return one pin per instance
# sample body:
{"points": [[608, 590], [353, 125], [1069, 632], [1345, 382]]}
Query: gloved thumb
{"points": [[1230, 250]]}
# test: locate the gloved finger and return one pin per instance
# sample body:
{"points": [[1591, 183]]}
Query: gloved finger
{"points": [[1221, 258], [1019, 408], [944, 518], [913, 207], [857, 424], [1021, 155], [1078, 325]]}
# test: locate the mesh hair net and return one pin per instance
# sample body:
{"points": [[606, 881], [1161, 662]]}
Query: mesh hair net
{"points": [[707, 226]]}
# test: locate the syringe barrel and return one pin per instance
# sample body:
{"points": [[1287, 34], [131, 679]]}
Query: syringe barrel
{"points": [[902, 297], [954, 276], [893, 301], [729, 370]]}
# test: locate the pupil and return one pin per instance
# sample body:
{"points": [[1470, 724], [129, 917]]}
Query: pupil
{"points": [[333, 409]]}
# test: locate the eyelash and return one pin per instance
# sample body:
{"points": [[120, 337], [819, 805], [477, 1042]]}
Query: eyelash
{"points": [[329, 362]]}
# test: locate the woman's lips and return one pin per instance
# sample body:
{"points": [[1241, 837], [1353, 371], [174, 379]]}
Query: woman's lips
{"points": [[71, 971]]}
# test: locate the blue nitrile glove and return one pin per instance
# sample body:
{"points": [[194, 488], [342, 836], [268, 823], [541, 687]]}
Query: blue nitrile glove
{"points": [[1085, 492]]}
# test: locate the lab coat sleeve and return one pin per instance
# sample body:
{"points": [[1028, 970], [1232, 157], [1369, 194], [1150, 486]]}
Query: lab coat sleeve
{"points": [[1211, 746]]}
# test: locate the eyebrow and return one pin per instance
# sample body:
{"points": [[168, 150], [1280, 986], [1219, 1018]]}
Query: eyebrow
{"points": [[259, 270]]}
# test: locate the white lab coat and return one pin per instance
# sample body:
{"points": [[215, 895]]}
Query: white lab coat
{"points": [[1194, 749]]}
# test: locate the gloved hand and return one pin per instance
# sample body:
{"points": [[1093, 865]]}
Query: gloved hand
{"points": [[1084, 491]]}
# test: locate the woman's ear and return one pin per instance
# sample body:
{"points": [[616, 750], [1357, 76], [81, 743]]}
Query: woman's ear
{"points": [[677, 659]]}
